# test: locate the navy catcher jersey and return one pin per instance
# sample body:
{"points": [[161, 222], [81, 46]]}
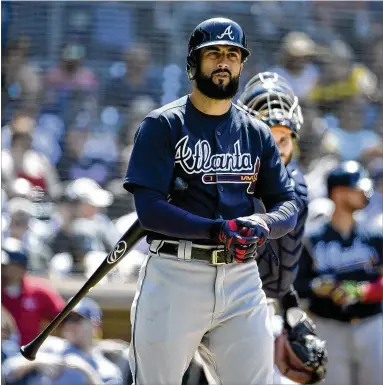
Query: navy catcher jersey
{"points": [[277, 280], [225, 160], [355, 258]]}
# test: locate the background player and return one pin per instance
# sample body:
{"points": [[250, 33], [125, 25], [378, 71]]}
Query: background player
{"points": [[340, 274], [227, 158], [269, 98]]}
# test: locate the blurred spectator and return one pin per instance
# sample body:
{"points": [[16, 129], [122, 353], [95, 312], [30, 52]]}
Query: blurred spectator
{"points": [[121, 198], [324, 21], [21, 227], [20, 188], [374, 118], [140, 107], [59, 226], [352, 140], [22, 81], [70, 86], [342, 78], [29, 299], [90, 219], [76, 359], [113, 20], [21, 161], [70, 252], [10, 339], [75, 140], [88, 155], [310, 136], [296, 64], [135, 77], [46, 131]]}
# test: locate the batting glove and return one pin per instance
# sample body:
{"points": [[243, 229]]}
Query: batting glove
{"points": [[347, 293], [323, 286], [255, 227], [238, 245]]}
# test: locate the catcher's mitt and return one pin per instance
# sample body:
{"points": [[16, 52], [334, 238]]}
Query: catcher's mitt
{"points": [[300, 354]]}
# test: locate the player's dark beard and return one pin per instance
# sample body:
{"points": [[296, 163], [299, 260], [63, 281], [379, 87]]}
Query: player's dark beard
{"points": [[217, 91]]}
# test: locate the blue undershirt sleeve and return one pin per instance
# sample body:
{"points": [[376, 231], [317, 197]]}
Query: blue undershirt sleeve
{"points": [[158, 215]]}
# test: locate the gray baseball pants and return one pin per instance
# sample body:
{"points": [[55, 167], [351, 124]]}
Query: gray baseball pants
{"points": [[180, 303]]}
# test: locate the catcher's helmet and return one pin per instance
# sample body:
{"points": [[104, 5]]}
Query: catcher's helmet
{"points": [[269, 97], [216, 31], [350, 174]]}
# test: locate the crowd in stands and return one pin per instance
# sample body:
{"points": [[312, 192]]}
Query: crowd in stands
{"points": [[69, 115]]}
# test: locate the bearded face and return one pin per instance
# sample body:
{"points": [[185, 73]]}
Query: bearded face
{"points": [[214, 85], [218, 72]]}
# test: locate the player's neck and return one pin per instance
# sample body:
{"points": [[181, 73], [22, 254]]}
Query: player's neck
{"points": [[207, 105], [342, 221]]}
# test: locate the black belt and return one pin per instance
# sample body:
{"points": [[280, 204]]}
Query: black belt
{"points": [[213, 256]]}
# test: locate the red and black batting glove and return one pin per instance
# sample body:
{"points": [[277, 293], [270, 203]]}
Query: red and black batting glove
{"points": [[254, 226], [238, 246]]}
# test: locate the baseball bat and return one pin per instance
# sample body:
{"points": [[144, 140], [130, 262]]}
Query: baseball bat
{"points": [[123, 246]]}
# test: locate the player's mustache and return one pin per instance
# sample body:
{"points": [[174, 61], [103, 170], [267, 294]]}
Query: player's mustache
{"points": [[221, 71]]}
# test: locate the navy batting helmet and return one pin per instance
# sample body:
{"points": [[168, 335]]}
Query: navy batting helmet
{"points": [[269, 97], [350, 174], [216, 31]]}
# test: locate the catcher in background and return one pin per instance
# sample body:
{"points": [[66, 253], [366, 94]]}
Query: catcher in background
{"points": [[340, 273], [269, 97], [300, 356]]}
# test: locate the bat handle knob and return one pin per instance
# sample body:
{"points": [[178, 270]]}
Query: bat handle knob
{"points": [[29, 352]]}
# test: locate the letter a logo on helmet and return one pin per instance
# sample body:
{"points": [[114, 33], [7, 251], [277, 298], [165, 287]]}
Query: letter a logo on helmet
{"points": [[228, 32], [216, 31]]}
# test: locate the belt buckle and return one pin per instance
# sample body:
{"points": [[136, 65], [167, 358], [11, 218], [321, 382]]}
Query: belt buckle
{"points": [[355, 321], [214, 257]]}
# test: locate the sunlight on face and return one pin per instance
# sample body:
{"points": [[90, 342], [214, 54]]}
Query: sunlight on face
{"points": [[221, 63], [283, 137]]}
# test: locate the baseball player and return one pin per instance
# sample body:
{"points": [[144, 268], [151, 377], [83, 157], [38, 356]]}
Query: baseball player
{"points": [[340, 273], [269, 98], [200, 280]]}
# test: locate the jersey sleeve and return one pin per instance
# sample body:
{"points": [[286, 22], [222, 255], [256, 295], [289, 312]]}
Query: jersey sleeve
{"points": [[152, 160], [273, 184]]}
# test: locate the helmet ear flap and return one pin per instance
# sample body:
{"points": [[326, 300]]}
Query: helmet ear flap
{"points": [[191, 65]]}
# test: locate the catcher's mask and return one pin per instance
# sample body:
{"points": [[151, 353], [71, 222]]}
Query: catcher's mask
{"points": [[216, 31], [269, 98], [308, 347]]}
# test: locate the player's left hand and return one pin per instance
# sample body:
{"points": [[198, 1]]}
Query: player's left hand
{"points": [[254, 226]]}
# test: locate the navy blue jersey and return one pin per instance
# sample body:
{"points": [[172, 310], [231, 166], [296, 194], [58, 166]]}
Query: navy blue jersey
{"points": [[277, 280], [357, 258], [226, 160]]}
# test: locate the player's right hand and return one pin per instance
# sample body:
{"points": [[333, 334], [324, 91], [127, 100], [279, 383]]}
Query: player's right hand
{"points": [[238, 245]]}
